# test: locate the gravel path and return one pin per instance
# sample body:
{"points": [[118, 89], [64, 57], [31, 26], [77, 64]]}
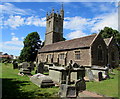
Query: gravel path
{"points": [[91, 95]]}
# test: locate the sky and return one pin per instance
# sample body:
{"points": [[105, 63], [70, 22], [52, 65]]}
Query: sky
{"points": [[18, 19]]}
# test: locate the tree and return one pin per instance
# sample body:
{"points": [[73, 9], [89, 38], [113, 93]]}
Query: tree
{"points": [[108, 32], [31, 45]]}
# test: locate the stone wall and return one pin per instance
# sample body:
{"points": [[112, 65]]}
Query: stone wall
{"points": [[94, 52], [85, 57], [113, 48]]}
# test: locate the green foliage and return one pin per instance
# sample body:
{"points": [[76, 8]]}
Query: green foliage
{"points": [[108, 32], [31, 45]]}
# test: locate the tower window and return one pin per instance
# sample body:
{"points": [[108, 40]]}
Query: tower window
{"points": [[77, 55], [100, 53]]}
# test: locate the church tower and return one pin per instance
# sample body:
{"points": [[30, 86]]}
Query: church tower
{"points": [[54, 26]]}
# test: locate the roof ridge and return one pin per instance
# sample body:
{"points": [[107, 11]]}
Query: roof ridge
{"points": [[73, 39]]}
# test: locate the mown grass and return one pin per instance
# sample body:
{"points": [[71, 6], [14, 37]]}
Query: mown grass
{"points": [[16, 86], [109, 87]]}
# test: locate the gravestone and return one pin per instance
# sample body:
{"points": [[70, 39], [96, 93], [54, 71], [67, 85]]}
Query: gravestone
{"points": [[71, 92], [63, 90], [25, 68], [75, 65], [90, 75], [100, 77], [15, 64], [25, 65], [40, 68], [80, 85], [67, 91], [32, 65], [42, 80]]}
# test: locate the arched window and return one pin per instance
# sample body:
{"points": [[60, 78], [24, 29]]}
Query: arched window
{"points": [[100, 53]]}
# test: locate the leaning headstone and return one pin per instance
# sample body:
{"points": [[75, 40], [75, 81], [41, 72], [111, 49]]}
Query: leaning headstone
{"points": [[90, 75], [40, 68]]}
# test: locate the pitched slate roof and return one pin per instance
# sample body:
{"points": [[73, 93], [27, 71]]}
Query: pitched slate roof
{"points": [[69, 44]]}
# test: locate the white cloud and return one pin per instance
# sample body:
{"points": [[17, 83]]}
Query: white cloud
{"points": [[8, 8], [17, 21], [109, 20], [14, 21], [67, 12], [12, 45], [79, 24], [36, 21], [42, 10], [17, 43], [22, 38], [76, 34], [14, 38], [75, 23], [12, 33]]}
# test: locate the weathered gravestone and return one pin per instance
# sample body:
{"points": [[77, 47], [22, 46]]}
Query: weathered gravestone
{"points": [[32, 65], [90, 75], [80, 85], [25, 65], [40, 68], [25, 68], [71, 91], [67, 91], [42, 80], [15, 64], [75, 65], [100, 77]]}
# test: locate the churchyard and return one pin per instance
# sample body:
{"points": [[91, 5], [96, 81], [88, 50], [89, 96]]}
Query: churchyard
{"points": [[14, 85]]}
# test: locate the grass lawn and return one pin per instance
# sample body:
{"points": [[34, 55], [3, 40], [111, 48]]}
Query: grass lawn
{"points": [[17, 86], [107, 87]]}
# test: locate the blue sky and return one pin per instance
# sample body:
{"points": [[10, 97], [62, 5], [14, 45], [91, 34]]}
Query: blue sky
{"points": [[18, 19]]}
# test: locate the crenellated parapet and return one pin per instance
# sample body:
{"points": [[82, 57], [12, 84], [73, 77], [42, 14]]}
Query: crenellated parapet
{"points": [[56, 14]]}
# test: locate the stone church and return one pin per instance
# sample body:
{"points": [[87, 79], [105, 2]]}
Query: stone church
{"points": [[91, 50]]}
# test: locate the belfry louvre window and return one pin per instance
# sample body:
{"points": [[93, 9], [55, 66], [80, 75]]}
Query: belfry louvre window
{"points": [[61, 56], [77, 55]]}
